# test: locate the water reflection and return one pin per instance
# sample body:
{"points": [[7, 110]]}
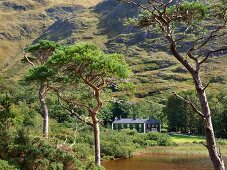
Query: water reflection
{"points": [[161, 162]]}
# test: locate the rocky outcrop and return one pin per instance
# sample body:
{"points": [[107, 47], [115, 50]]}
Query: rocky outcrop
{"points": [[61, 29], [58, 12], [17, 6]]}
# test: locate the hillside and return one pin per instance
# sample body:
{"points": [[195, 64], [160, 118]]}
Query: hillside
{"points": [[155, 72]]}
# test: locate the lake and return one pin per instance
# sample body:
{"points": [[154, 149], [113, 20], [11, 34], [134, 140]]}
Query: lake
{"points": [[151, 161]]}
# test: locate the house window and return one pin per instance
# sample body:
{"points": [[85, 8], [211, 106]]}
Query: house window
{"points": [[133, 125], [149, 126], [122, 126], [156, 125], [140, 125], [128, 125]]}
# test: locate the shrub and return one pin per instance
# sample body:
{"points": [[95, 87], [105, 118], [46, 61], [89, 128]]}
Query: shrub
{"points": [[6, 166], [160, 138], [82, 150], [56, 166], [118, 144], [30, 153], [151, 143]]}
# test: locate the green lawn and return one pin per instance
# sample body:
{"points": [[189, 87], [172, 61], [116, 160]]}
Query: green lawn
{"points": [[179, 138], [186, 144]]}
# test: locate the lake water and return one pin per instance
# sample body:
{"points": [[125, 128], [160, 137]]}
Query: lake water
{"points": [[161, 162]]}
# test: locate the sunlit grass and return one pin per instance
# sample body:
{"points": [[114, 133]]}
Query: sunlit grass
{"points": [[151, 80], [185, 144], [178, 138]]}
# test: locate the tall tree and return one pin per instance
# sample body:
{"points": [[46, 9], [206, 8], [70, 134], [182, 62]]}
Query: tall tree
{"points": [[86, 70], [180, 116], [40, 52], [204, 22]]}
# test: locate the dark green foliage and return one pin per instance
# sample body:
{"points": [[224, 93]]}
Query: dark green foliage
{"points": [[56, 111], [190, 11], [180, 115], [42, 46], [29, 152], [6, 115], [40, 52], [39, 74], [22, 137], [144, 109], [92, 58], [218, 104]]}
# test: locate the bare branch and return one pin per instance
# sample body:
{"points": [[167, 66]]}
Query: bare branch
{"points": [[191, 104], [203, 43], [26, 57], [68, 100], [210, 53], [212, 35], [207, 85], [72, 112], [137, 4], [100, 86]]}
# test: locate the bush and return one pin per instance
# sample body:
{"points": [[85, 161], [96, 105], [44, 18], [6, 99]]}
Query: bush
{"points": [[56, 166], [118, 144], [160, 138], [28, 153], [82, 150], [6, 166], [151, 143]]}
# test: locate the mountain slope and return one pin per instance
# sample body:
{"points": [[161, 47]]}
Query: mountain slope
{"points": [[155, 72], [25, 20]]}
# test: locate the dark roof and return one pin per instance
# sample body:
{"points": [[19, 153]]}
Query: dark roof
{"points": [[131, 120], [128, 120], [152, 121]]}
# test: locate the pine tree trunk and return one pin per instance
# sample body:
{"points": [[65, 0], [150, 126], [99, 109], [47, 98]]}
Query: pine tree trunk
{"points": [[44, 109], [97, 140], [215, 156]]}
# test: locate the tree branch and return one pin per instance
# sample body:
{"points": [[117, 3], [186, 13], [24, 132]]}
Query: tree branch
{"points": [[191, 104], [207, 85], [68, 100], [137, 4], [210, 53], [29, 61], [72, 112]]}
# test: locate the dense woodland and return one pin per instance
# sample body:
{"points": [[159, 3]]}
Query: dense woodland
{"points": [[58, 97]]}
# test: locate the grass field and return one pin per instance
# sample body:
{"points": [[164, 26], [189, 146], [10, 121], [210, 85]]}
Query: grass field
{"points": [[185, 144], [154, 74], [179, 139], [182, 139]]}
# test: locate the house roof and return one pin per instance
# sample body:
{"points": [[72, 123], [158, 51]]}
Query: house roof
{"points": [[128, 120], [131, 120], [151, 121]]}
